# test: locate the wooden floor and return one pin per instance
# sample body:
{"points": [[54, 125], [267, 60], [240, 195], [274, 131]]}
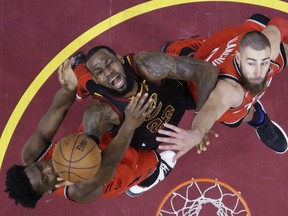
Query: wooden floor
{"points": [[36, 37]]}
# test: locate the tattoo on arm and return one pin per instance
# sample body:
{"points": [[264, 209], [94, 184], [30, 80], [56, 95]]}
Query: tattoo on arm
{"points": [[155, 66], [97, 118]]}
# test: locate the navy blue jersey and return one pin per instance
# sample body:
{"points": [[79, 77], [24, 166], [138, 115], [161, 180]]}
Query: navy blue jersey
{"points": [[170, 97]]}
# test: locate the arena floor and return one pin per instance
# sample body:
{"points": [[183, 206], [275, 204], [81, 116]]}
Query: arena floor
{"points": [[37, 36]]}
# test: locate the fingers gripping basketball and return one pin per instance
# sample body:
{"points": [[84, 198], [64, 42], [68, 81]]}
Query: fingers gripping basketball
{"points": [[76, 158]]}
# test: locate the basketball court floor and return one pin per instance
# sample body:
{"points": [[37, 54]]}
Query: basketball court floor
{"points": [[37, 36]]}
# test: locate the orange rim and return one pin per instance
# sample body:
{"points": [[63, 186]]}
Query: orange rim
{"points": [[204, 180]]}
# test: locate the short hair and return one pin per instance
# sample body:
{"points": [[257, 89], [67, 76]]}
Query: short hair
{"points": [[256, 40], [19, 188], [96, 49]]}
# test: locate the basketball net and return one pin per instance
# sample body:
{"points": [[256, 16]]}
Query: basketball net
{"points": [[203, 196]]}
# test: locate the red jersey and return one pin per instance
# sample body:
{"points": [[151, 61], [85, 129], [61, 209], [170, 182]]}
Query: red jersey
{"points": [[220, 50], [136, 166]]}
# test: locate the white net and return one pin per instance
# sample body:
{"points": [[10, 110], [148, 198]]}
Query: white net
{"points": [[203, 197]]}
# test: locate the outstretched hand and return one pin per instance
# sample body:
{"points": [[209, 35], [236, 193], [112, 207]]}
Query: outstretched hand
{"points": [[182, 141], [137, 110], [202, 146], [66, 75]]}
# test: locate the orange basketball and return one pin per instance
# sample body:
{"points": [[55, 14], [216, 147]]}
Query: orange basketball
{"points": [[76, 157]]}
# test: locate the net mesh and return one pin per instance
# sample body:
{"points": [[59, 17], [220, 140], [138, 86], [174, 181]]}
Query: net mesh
{"points": [[203, 197]]}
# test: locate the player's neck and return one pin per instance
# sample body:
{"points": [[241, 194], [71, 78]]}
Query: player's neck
{"points": [[134, 90]]}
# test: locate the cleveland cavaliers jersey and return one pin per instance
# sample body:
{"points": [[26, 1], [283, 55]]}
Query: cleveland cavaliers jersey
{"points": [[170, 97]]}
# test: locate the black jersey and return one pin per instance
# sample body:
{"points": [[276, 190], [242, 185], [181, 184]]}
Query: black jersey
{"points": [[170, 97]]}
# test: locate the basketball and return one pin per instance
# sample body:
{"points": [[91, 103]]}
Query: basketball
{"points": [[76, 157]]}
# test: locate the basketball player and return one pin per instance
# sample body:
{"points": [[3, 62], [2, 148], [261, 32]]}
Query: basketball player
{"points": [[112, 80], [248, 57], [121, 166]]}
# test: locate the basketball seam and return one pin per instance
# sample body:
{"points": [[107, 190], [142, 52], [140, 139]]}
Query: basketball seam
{"points": [[67, 161], [71, 156]]}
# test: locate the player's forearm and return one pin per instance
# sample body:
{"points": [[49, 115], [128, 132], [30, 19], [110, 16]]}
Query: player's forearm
{"points": [[90, 190], [204, 121], [120, 143], [48, 125], [206, 82], [87, 191], [53, 118], [64, 98]]}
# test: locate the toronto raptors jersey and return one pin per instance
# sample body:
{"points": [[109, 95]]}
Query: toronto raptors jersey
{"points": [[221, 53]]}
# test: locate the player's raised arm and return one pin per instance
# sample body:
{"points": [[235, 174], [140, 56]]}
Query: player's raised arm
{"points": [[136, 112], [218, 102], [52, 119]]}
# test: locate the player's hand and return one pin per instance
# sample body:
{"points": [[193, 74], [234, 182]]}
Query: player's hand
{"points": [[202, 146], [137, 110], [178, 139], [66, 76], [62, 182]]}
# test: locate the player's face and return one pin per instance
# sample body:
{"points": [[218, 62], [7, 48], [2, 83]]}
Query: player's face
{"points": [[254, 67], [107, 70], [42, 176]]}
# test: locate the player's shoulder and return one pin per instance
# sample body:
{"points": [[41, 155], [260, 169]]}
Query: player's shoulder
{"points": [[229, 87]]}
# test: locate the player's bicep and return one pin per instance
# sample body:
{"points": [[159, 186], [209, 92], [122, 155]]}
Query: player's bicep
{"points": [[154, 65], [274, 36]]}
